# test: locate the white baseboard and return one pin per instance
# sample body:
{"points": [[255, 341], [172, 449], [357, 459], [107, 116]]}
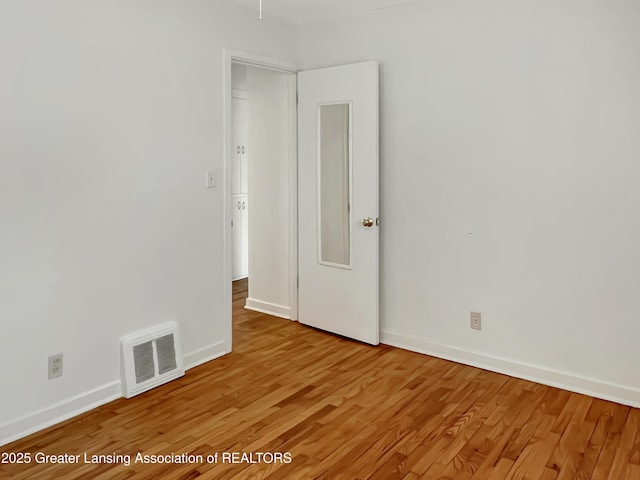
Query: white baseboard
{"points": [[268, 308], [205, 354], [565, 380], [59, 412], [47, 417]]}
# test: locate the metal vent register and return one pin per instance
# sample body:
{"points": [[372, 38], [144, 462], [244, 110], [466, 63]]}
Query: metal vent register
{"points": [[150, 358]]}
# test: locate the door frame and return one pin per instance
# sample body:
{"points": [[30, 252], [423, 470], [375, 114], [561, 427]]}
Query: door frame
{"points": [[230, 56]]}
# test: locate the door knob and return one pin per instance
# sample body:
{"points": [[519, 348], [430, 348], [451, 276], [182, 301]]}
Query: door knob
{"points": [[367, 222]]}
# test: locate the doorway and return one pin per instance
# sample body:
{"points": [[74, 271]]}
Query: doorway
{"points": [[338, 295], [260, 186]]}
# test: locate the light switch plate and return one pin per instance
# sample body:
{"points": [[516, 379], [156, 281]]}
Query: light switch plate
{"points": [[211, 179]]}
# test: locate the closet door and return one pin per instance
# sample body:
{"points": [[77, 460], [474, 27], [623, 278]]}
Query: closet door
{"points": [[244, 149], [238, 244], [244, 252], [240, 119], [240, 185]]}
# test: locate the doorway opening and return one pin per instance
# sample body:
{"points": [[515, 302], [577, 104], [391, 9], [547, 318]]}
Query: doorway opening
{"points": [[338, 293], [261, 187]]}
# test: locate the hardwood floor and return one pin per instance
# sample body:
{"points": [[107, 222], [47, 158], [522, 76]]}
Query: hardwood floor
{"points": [[343, 410]]}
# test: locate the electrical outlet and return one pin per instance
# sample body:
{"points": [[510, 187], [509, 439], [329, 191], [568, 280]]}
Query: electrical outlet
{"points": [[55, 366], [476, 320]]}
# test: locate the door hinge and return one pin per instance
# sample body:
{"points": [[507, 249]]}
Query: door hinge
{"points": [[297, 99]]}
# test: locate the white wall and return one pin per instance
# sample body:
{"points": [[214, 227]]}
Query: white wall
{"points": [[509, 128], [509, 181], [269, 191], [110, 114], [239, 76]]}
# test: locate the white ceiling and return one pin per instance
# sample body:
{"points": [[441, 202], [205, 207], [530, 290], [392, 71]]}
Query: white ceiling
{"points": [[306, 11]]}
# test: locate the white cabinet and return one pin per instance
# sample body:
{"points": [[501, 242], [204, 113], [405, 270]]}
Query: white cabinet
{"points": [[240, 187], [240, 234], [239, 174]]}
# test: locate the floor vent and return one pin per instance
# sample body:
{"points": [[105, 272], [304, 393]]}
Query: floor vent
{"points": [[151, 358]]}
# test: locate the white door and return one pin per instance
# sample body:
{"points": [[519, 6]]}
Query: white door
{"points": [[338, 200], [240, 118], [239, 263], [244, 247], [239, 186]]}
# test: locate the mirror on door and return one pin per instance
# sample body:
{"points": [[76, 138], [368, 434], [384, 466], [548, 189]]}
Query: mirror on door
{"points": [[334, 184]]}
